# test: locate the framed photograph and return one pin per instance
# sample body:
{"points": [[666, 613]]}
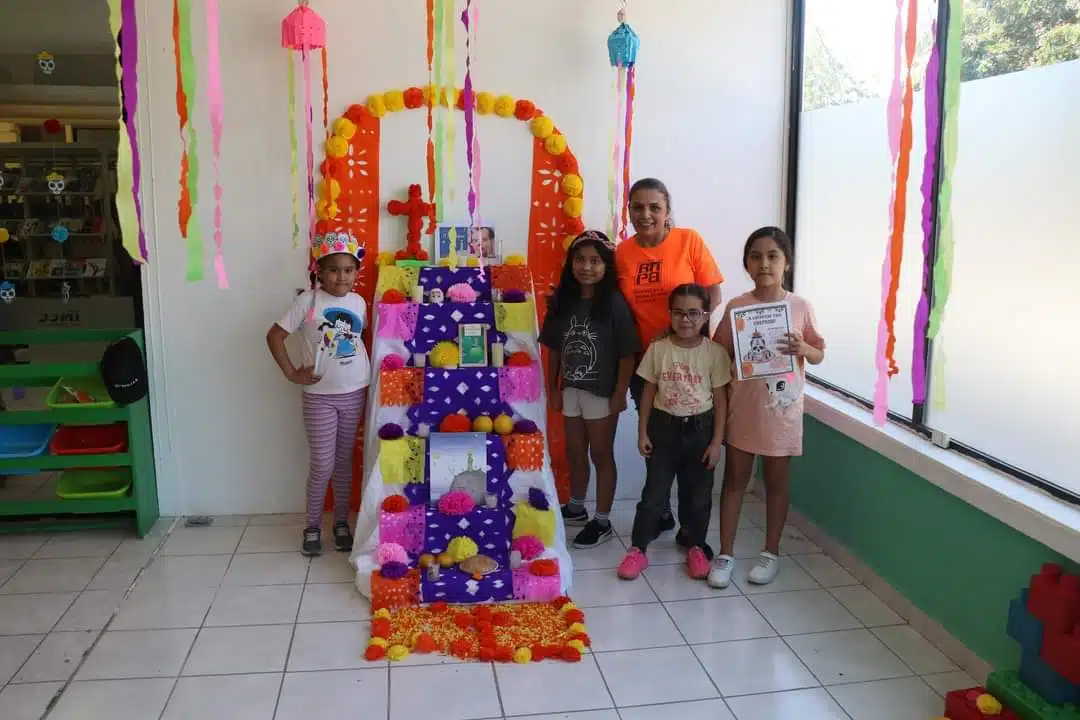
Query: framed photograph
{"points": [[481, 242], [472, 343], [757, 331]]}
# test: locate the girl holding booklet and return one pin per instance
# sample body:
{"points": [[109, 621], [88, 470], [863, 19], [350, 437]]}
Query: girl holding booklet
{"points": [[765, 414]]}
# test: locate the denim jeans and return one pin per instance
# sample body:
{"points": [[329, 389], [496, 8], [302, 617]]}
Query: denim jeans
{"points": [[678, 446], [637, 388]]}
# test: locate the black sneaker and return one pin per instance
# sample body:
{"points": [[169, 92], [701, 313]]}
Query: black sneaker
{"points": [[312, 542], [342, 537], [574, 516], [595, 532], [666, 524]]}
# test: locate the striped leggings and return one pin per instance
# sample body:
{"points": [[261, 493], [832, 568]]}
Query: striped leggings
{"points": [[331, 422]]}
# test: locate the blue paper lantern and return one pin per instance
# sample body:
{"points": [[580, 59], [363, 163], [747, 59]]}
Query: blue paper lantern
{"points": [[59, 233], [622, 46]]}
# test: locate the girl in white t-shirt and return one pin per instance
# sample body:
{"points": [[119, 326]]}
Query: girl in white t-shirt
{"points": [[334, 373]]}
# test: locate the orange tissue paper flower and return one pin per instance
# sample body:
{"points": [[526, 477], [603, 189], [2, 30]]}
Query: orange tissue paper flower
{"points": [[524, 110], [414, 98], [560, 601], [393, 297], [463, 620], [570, 654], [519, 359], [574, 616], [502, 619], [504, 654], [357, 113], [439, 607], [395, 504], [380, 627], [425, 643], [485, 653], [544, 568], [482, 612], [461, 648], [374, 652]]}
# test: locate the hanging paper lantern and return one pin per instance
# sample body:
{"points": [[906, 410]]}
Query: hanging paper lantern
{"points": [[52, 126], [303, 31], [60, 233], [622, 46]]}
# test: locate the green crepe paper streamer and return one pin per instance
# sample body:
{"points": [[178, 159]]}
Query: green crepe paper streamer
{"points": [[194, 268], [937, 376], [436, 91], [943, 263]]}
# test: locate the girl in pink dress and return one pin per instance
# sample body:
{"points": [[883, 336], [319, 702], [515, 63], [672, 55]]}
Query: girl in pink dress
{"points": [[765, 415]]}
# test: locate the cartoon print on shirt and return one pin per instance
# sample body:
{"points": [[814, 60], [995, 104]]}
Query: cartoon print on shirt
{"points": [[340, 329], [784, 391], [759, 352], [579, 351]]}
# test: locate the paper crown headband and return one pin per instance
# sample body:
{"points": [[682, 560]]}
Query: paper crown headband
{"points": [[336, 243], [595, 236]]}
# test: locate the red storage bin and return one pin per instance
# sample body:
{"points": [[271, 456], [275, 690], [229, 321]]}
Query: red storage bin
{"points": [[89, 439]]}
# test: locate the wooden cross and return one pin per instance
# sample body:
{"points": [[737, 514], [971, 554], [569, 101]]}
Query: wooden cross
{"points": [[415, 209]]}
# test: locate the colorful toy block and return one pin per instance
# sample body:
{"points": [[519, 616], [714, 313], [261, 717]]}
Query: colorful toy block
{"points": [[1045, 680], [1006, 686], [1022, 626], [976, 704], [1061, 651], [1054, 598]]}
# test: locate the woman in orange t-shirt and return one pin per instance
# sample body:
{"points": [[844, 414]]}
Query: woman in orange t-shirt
{"points": [[652, 263]]}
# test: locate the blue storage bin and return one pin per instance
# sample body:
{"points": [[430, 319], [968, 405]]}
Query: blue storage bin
{"points": [[1044, 680], [1023, 627], [24, 441]]}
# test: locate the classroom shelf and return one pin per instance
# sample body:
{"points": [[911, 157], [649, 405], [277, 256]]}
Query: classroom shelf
{"points": [[140, 505]]}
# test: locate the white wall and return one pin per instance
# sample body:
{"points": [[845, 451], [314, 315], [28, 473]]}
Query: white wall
{"points": [[227, 427]]}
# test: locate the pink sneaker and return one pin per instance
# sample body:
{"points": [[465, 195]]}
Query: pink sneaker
{"points": [[633, 564], [697, 564]]}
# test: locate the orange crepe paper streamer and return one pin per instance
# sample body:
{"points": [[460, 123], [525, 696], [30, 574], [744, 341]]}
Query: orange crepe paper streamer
{"points": [[903, 171], [183, 207]]}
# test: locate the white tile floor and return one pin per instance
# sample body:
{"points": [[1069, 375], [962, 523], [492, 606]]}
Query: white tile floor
{"points": [[230, 621]]}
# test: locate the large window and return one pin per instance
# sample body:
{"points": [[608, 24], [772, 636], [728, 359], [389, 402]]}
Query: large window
{"points": [[1011, 338]]}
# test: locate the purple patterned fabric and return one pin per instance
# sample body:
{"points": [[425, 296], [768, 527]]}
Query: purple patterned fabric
{"points": [[498, 477], [443, 277], [489, 528], [474, 390], [455, 586], [436, 323]]}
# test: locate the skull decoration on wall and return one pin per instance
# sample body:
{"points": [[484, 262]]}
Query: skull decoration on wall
{"points": [[7, 292], [56, 182], [46, 62]]}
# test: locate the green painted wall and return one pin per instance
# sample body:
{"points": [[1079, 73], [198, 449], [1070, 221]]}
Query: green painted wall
{"points": [[956, 563]]}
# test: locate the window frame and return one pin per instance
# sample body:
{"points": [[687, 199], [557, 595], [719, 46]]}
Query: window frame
{"points": [[918, 421]]}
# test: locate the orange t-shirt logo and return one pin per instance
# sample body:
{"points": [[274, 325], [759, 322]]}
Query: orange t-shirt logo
{"points": [[648, 273]]}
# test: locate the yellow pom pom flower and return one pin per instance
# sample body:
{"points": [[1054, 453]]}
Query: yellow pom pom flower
{"points": [[573, 207], [449, 97], [337, 146], [485, 103], [381, 613], [504, 106], [473, 261], [522, 655], [988, 704], [320, 209], [344, 127], [329, 189], [378, 642], [397, 653], [395, 100], [4, 235], [568, 241], [567, 608], [573, 185], [462, 548], [385, 258], [376, 105], [515, 260], [541, 126], [577, 645], [577, 629], [555, 143], [444, 354], [504, 425], [332, 211]]}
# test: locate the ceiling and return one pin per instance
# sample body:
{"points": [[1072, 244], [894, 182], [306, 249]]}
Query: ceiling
{"points": [[59, 26]]}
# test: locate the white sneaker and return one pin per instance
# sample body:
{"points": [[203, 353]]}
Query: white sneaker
{"points": [[765, 570], [720, 572]]}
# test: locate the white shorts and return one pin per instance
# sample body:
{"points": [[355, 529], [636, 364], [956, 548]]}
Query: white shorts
{"points": [[583, 404]]}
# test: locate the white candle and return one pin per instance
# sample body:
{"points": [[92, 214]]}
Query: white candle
{"points": [[497, 354]]}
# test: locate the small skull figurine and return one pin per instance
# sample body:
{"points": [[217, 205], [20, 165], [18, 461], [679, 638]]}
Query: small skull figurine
{"points": [[435, 296], [46, 62], [7, 292], [56, 182]]}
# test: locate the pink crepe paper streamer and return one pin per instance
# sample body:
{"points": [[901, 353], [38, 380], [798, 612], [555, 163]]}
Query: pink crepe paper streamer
{"points": [[617, 150], [474, 22], [215, 99], [309, 121], [894, 112], [631, 88], [129, 48], [469, 104], [931, 88]]}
